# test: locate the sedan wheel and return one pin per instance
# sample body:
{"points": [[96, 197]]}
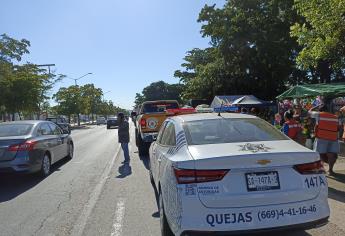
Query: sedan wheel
{"points": [[70, 151], [45, 168], [165, 228]]}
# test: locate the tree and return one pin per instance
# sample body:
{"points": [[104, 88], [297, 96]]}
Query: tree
{"points": [[251, 51], [69, 101], [24, 88], [159, 91], [91, 99], [10, 50], [321, 36]]}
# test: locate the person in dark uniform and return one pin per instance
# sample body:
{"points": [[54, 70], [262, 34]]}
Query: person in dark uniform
{"points": [[123, 134]]}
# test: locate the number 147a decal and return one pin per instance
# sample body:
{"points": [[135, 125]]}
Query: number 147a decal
{"points": [[315, 181]]}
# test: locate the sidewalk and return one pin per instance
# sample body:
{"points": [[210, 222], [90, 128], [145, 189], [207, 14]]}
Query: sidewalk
{"points": [[340, 164]]}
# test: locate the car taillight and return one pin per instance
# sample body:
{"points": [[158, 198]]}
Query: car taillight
{"points": [[310, 168], [27, 146], [187, 176], [143, 123]]}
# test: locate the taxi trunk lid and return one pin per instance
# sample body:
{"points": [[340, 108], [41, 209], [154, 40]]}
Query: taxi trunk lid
{"points": [[246, 161]]}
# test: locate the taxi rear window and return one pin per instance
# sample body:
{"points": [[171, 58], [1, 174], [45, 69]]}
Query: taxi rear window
{"points": [[230, 131], [159, 107]]}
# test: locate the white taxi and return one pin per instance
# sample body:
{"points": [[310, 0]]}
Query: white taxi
{"points": [[234, 173]]}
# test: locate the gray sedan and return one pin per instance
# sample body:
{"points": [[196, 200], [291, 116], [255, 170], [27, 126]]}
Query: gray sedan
{"points": [[32, 146]]}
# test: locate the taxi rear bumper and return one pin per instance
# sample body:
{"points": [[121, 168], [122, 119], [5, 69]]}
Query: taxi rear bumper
{"points": [[303, 226], [223, 221]]}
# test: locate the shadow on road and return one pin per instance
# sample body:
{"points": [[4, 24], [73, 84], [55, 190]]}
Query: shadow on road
{"points": [[282, 233], [336, 194], [80, 127], [124, 170], [340, 177], [14, 184], [146, 161], [156, 214]]}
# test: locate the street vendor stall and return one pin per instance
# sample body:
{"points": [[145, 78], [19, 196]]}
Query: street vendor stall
{"points": [[250, 101], [301, 98]]}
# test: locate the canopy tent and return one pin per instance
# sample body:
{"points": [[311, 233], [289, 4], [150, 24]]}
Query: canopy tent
{"points": [[313, 90], [224, 103], [250, 100], [219, 101]]}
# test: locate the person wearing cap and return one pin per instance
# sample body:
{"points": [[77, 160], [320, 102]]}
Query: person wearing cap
{"points": [[123, 136], [291, 128], [326, 135]]}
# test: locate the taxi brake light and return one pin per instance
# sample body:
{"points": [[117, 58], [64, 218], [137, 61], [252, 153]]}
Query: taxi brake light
{"points": [[187, 176], [310, 168]]}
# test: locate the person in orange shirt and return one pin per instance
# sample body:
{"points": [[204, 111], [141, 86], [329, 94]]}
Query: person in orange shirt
{"points": [[291, 128], [326, 135]]}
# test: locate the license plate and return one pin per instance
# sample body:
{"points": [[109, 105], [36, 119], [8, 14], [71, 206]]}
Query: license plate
{"points": [[262, 181]]}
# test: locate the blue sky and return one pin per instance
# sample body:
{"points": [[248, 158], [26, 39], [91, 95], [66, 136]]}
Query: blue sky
{"points": [[125, 44]]}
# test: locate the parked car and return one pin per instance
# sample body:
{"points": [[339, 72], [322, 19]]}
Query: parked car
{"points": [[101, 120], [112, 122], [150, 118], [33, 146], [234, 173], [61, 122]]}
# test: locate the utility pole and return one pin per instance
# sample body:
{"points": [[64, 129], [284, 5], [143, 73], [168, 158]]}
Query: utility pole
{"points": [[47, 65], [75, 80]]}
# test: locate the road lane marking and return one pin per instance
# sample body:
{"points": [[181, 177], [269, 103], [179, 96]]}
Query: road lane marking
{"points": [[80, 224], [119, 215]]}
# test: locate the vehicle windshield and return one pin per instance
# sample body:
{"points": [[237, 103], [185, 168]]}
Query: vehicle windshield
{"points": [[7, 130], [230, 131], [159, 107]]}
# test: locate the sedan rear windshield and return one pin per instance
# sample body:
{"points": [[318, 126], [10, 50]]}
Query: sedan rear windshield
{"points": [[159, 107], [230, 131], [7, 130]]}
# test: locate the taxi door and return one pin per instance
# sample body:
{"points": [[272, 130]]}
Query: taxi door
{"points": [[164, 148], [153, 154]]}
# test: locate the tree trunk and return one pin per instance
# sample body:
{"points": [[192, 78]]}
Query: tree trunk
{"points": [[325, 71], [78, 119]]}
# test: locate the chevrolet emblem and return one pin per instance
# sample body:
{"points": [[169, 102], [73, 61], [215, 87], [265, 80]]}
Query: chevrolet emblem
{"points": [[263, 162]]}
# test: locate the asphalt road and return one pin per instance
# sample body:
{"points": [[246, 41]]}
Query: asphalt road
{"points": [[95, 194]]}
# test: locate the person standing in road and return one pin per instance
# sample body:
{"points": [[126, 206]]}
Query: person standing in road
{"points": [[123, 133], [326, 135]]}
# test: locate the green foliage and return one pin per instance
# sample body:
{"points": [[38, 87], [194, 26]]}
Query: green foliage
{"points": [[86, 99], [252, 51], [159, 91], [91, 98], [12, 49], [24, 88], [69, 100], [322, 35]]}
